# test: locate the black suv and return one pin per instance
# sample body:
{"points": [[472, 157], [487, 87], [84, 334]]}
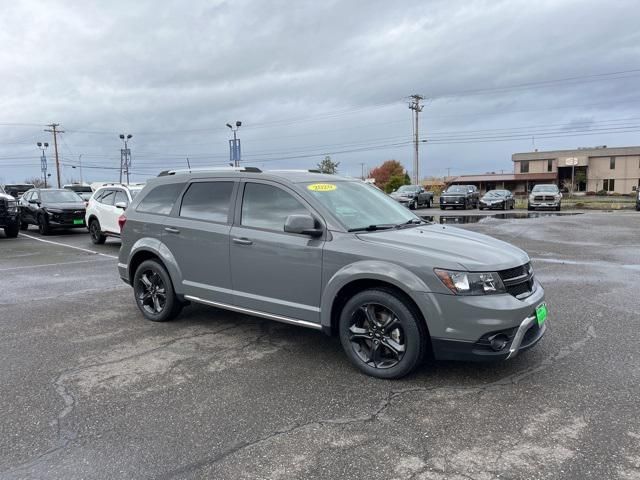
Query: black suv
{"points": [[460, 196], [51, 208], [9, 216]]}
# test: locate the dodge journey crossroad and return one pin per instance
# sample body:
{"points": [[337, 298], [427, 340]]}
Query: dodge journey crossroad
{"points": [[333, 254]]}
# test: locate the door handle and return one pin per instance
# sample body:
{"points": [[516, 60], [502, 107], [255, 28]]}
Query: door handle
{"points": [[171, 230], [242, 241]]}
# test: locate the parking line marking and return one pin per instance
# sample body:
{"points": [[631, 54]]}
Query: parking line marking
{"points": [[49, 265], [69, 246]]}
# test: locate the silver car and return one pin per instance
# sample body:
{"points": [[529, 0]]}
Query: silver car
{"points": [[332, 254]]}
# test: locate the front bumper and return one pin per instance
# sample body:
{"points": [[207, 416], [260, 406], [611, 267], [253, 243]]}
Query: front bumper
{"points": [[489, 206], [452, 201], [9, 219], [404, 200], [547, 204], [462, 327]]}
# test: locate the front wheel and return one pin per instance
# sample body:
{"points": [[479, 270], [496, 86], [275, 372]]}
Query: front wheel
{"points": [[381, 334], [429, 203], [11, 231], [43, 225], [154, 292]]}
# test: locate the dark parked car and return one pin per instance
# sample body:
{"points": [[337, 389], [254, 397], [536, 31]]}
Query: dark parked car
{"points": [[333, 254], [460, 196], [16, 190], [413, 196], [9, 216], [51, 208], [502, 199]]}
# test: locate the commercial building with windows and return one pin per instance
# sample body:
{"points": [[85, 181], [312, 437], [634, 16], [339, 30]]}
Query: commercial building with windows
{"points": [[592, 169]]}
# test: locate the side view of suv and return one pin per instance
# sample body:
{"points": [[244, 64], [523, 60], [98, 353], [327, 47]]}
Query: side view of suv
{"points": [[105, 206], [332, 254]]}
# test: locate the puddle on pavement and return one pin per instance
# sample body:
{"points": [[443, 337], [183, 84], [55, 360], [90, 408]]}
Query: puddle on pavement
{"points": [[460, 219]]}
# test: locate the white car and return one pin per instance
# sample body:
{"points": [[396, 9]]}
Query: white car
{"points": [[105, 206]]}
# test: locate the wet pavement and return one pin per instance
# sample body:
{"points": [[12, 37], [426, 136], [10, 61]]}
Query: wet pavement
{"points": [[91, 390], [464, 218]]}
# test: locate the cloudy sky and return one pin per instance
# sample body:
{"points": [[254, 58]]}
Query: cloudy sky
{"points": [[310, 78]]}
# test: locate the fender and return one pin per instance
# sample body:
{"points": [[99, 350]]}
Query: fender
{"points": [[158, 248], [387, 272]]}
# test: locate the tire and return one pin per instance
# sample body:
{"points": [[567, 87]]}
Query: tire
{"points": [[480, 208], [43, 225], [11, 231], [375, 349], [429, 203], [97, 237], [151, 276], [558, 208], [504, 205], [24, 225], [442, 207], [529, 207]]}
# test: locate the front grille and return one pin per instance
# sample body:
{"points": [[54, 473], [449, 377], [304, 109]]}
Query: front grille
{"points": [[544, 198], [518, 281]]}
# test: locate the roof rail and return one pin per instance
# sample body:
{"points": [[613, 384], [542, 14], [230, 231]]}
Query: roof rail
{"points": [[299, 170], [210, 169]]}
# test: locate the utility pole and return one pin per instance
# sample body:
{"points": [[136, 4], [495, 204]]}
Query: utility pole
{"points": [[362, 168], [80, 162], [417, 108], [448, 172], [55, 132]]}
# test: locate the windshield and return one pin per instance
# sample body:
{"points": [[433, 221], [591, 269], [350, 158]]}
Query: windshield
{"points": [[59, 196], [408, 188], [496, 193], [456, 189], [545, 188], [360, 206]]}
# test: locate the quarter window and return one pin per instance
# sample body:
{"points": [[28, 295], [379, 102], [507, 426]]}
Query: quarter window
{"points": [[121, 197], [207, 201], [160, 200], [524, 166], [266, 206]]}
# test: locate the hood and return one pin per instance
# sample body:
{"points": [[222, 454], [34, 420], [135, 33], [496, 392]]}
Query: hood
{"points": [[492, 198], [454, 194], [6, 196], [65, 206], [450, 247], [403, 194]]}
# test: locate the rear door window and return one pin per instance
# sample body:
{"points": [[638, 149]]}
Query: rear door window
{"points": [[107, 197], [160, 200], [208, 201]]}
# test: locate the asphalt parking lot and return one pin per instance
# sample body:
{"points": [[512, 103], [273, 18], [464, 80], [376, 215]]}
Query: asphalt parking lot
{"points": [[91, 390]]}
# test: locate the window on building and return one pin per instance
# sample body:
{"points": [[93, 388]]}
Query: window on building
{"points": [[524, 166], [549, 165], [161, 199], [609, 185], [612, 163], [207, 201]]}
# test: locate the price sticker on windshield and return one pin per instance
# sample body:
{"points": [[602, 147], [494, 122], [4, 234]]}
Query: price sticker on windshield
{"points": [[322, 187]]}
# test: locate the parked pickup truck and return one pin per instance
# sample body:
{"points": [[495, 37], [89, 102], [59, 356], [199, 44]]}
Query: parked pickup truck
{"points": [[460, 196], [413, 196], [9, 216]]}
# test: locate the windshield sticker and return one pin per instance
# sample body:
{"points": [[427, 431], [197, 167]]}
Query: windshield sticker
{"points": [[322, 187]]}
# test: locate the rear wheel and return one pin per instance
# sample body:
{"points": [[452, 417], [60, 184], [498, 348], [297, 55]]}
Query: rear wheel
{"points": [[43, 225], [24, 225], [381, 334], [529, 207], [154, 292], [429, 203], [97, 237]]}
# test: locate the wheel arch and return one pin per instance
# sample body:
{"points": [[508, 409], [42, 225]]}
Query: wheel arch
{"points": [[150, 248], [366, 275]]}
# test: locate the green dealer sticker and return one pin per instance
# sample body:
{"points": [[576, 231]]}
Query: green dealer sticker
{"points": [[541, 313]]}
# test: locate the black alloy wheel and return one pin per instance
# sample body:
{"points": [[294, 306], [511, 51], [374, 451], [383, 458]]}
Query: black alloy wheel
{"points": [[43, 225], [381, 334], [154, 292], [97, 237]]}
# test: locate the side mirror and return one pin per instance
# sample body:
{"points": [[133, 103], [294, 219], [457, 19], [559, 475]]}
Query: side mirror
{"points": [[302, 224], [33, 201], [121, 205]]}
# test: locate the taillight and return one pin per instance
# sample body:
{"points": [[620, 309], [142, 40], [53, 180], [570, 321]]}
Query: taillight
{"points": [[121, 221]]}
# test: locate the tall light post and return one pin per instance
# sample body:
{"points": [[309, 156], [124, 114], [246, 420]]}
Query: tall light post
{"points": [[43, 161], [125, 156], [234, 145], [80, 164]]}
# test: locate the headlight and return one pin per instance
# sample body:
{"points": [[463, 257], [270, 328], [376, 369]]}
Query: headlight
{"points": [[12, 206], [471, 283]]}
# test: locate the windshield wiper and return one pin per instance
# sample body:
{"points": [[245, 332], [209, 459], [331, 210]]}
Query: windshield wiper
{"points": [[372, 228]]}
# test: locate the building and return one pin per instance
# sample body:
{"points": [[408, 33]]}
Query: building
{"points": [[593, 169]]}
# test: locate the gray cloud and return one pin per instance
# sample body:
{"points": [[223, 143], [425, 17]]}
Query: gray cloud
{"points": [[308, 78]]}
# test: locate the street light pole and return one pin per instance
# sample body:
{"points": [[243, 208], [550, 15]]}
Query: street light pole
{"points": [[234, 149], [125, 156], [43, 161], [80, 162]]}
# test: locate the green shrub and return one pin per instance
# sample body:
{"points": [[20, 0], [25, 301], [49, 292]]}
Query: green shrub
{"points": [[601, 193]]}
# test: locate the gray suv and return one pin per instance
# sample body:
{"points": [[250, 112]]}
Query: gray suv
{"points": [[332, 254]]}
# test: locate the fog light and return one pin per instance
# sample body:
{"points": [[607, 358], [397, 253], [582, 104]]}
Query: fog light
{"points": [[499, 342]]}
